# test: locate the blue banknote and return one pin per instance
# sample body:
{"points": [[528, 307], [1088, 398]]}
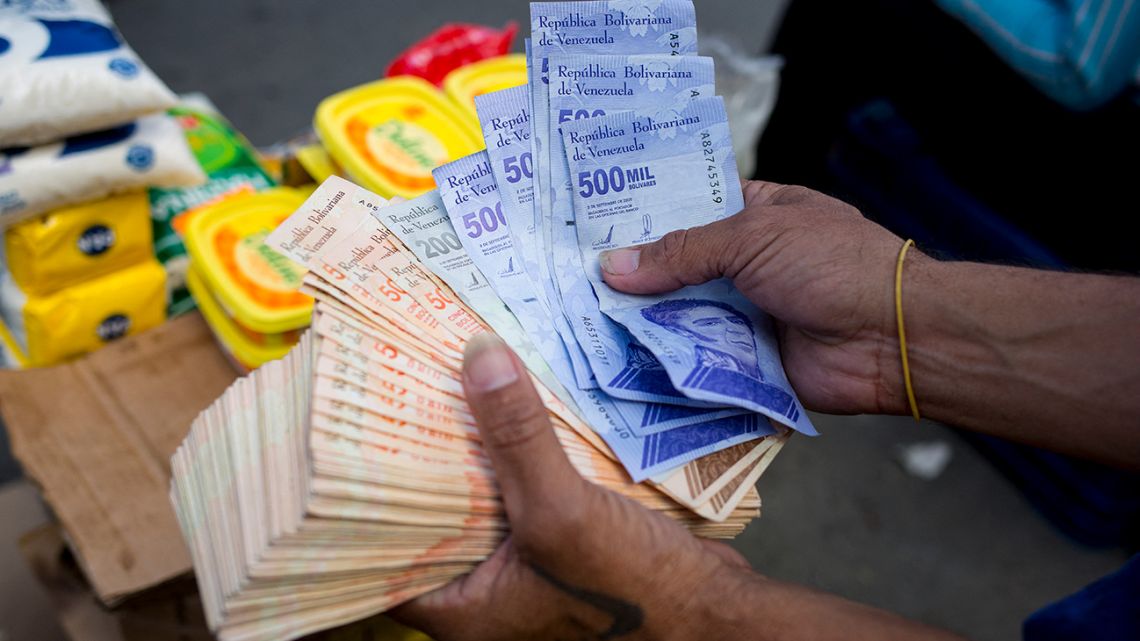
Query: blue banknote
{"points": [[655, 85], [470, 194], [423, 225], [635, 179], [504, 117], [601, 26]]}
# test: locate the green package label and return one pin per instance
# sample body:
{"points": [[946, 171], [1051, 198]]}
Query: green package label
{"points": [[230, 164]]}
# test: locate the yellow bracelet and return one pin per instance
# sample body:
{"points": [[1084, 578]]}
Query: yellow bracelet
{"points": [[902, 331]]}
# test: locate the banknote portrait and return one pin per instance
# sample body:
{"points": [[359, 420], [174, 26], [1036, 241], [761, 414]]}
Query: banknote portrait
{"points": [[725, 354]]}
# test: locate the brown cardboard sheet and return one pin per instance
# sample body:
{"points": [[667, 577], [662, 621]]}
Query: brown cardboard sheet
{"points": [[96, 435]]}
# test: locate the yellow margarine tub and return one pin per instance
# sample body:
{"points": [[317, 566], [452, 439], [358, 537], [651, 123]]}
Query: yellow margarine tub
{"points": [[246, 348], [49, 329], [242, 279], [485, 76], [317, 162], [390, 134], [77, 244]]}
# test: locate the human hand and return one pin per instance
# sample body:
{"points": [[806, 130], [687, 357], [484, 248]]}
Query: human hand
{"points": [[581, 561], [817, 266]]}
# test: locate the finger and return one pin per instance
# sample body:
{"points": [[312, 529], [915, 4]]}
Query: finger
{"points": [[761, 192], [697, 255], [532, 469], [679, 258], [456, 604]]}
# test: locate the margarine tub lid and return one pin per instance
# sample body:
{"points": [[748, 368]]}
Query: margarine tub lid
{"points": [[253, 282], [390, 134], [247, 352], [484, 76]]}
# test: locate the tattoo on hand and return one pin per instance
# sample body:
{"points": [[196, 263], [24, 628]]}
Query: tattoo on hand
{"points": [[627, 617]]}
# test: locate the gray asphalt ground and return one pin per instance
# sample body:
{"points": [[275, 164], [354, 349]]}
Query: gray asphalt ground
{"points": [[964, 551]]}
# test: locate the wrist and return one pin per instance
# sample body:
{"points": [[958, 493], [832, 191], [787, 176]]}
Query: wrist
{"points": [[725, 606], [934, 329]]}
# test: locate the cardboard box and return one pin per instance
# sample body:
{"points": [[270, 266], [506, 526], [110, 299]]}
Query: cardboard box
{"points": [[96, 435], [172, 612]]}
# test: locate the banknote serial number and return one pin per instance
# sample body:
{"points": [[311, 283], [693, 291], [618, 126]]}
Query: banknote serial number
{"points": [[713, 168]]}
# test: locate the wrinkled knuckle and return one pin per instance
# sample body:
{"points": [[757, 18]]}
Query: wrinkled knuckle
{"points": [[552, 528], [674, 245], [790, 194], [516, 424], [753, 192]]}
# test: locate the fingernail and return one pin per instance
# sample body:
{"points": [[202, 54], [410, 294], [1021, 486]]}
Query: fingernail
{"points": [[621, 262], [487, 363]]}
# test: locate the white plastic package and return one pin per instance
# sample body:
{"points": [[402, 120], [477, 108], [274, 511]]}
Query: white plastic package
{"points": [[64, 70], [750, 85], [149, 153]]}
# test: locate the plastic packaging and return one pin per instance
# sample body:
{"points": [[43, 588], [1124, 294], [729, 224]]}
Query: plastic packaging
{"points": [[77, 244], [450, 47], [245, 280], [389, 135], [65, 70], [485, 76], [50, 329], [151, 151], [230, 164], [749, 85], [246, 349]]}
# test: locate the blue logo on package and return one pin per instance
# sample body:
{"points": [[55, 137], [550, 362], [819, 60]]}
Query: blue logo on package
{"points": [[96, 240], [113, 327], [77, 38], [123, 67], [632, 172], [97, 140], [140, 157], [4, 45]]}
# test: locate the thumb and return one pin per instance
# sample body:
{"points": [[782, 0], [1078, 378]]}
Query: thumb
{"points": [[679, 258], [533, 472]]}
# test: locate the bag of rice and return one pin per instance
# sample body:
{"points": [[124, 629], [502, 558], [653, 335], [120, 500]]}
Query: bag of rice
{"points": [[75, 244], [64, 70], [150, 152], [45, 330]]}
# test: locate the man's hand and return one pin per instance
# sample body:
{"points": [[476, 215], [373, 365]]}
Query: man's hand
{"points": [[824, 273], [581, 562]]}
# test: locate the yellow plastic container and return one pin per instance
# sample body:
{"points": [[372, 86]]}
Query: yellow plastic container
{"points": [[390, 134], [82, 318], [485, 76], [77, 244], [317, 163], [247, 349], [252, 283]]}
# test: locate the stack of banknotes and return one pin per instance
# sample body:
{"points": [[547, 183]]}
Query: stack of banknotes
{"points": [[349, 476]]}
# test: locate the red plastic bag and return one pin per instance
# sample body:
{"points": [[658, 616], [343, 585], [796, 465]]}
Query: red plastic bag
{"points": [[450, 47]]}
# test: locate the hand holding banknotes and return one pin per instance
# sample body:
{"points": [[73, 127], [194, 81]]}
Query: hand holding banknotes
{"points": [[585, 563], [1045, 358], [812, 262], [581, 562]]}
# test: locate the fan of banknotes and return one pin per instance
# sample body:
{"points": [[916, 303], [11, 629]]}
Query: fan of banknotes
{"points": [[348, 477]]}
